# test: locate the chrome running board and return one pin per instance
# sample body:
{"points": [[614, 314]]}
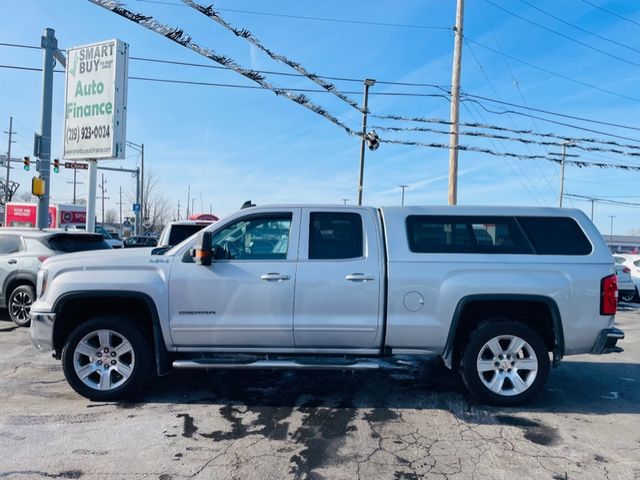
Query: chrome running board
{"points": [[299, 364]]}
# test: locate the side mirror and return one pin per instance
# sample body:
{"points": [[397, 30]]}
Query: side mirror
{"points": [[201, 251]]}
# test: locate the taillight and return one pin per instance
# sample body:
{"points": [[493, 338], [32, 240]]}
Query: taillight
{"points": [[626, 270], [609, 295], [42, 258]]}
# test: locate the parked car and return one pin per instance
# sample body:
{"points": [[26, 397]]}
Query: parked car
{"points": [[178, 231], [112, 238], [321, 287], [22, 251], [137, 241], [626, 287]]}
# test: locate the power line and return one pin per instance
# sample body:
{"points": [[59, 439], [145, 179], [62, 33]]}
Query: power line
{"points": [[235, 85], [317, 19], [473, 54], [588, 32], [443, 88], [555, 74], [179, 36], [602, 200], [611, 12], [210, 13], [266, 72], [568, 37], [549, 112]]}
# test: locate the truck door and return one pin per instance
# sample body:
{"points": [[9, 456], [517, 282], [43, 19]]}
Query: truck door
{"points": [[338, 298], [245, 298]]}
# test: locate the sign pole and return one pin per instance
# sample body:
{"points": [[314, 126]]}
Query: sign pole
{"points": [[91, 195], [49, 44]]}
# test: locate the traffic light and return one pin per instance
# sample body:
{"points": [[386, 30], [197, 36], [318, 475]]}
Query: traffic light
{"points": [[56, 165], [26, 161]]}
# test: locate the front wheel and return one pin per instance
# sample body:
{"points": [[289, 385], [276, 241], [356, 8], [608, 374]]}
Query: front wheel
{"points": [[19, 304], [505, 363], [106, 358]]}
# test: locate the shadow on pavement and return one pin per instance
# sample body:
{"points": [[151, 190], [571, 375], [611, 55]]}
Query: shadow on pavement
{"points": [[574, 387]]}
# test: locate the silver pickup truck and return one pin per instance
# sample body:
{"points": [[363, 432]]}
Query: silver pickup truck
{"points": [[501, 293]]}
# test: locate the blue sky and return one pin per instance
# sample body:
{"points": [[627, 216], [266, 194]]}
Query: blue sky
{"points": [[231, 145]]}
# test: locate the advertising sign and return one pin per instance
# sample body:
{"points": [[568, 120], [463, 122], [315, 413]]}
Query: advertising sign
{"points": [[71, 215], [25, 215], [96, 101]]}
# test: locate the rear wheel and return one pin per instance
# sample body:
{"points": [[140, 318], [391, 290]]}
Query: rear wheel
{"points": [[505, 363], [106, 358], [19, 304]]}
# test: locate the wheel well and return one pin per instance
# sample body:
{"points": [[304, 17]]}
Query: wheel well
{"points": [[537, 315], [15, 283], [77, 310]]}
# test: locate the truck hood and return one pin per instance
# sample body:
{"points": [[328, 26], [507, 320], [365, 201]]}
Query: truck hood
{"points": [[101, 258]]}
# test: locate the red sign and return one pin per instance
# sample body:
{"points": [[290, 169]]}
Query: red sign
{"points": [[72, 217], [20, 215]]}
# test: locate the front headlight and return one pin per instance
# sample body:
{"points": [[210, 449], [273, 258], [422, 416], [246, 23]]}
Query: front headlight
{"points": [[41, 282]]}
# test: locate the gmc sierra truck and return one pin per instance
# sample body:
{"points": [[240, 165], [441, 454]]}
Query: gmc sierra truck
{"points": [[501, 293]]}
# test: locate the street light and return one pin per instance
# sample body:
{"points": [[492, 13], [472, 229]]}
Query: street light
{"points": [[367, 83], [403, 187]]}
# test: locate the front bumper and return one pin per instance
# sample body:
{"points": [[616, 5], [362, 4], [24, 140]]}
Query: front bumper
{"points": [[606, 342], [41, 330]]}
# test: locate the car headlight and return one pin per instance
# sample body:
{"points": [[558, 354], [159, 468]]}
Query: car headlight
{"points": [[41, 282]]}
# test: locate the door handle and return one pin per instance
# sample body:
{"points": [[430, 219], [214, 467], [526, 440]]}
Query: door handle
{"points": [[359, 277], [12, 261], [274, 277]]}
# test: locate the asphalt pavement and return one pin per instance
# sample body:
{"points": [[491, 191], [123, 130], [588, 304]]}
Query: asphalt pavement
{"points": [[396, 425]]}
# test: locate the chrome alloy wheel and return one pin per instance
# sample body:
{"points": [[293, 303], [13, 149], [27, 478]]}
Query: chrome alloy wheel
{"points": [[507, 365], [21, 306], [103, 359]]}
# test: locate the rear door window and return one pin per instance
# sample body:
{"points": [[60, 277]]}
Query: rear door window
{"points": [[69, 243], [335, 236], [555, 236]]}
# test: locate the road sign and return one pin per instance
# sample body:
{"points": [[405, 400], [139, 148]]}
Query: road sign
{"points": [[76, 165], [136, 207], [96, 101]]}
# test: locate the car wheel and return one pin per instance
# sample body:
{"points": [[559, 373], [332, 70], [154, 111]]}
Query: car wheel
{"points": [[19, 304], [504, 363], [106, 358]]}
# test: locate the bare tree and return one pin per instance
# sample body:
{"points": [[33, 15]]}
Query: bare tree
{"points": [[157, 209], [26, 197], [111, 216]]}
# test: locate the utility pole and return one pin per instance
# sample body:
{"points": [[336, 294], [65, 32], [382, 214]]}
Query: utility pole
{"points": [[142, 195], [120, 204], [193, 201], [50, 54], [345, 200], [188, 201], [367, 83], [104, 190], [7, 191], [178, 216], [403, 187], [75, 182], [564, 157], [455, 104], [611, 231]]}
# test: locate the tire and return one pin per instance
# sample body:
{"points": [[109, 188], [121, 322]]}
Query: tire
{"points": [[490, 363], [19, 304], [106, 358]]}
